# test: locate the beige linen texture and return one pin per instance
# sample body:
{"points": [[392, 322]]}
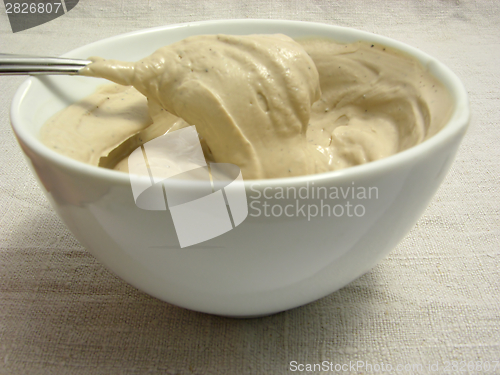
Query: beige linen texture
{"points": [[434, 299]]}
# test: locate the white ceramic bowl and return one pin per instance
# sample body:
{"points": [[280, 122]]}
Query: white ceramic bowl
{"points": [[266, 264]]}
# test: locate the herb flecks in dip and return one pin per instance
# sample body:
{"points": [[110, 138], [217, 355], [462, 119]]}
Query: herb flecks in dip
{"points": [[271, 105]]}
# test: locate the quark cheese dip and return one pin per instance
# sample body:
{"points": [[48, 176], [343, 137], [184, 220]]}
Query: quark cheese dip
{"points": [[271, 105]]}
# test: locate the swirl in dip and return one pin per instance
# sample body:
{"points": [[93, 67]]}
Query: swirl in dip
{"points": [[274, 106]]}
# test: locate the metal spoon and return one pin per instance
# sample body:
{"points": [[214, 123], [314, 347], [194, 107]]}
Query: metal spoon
{"points": [[34, 65]]}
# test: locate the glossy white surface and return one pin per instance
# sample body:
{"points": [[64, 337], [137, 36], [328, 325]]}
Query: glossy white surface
{"points": [[266, 264]]}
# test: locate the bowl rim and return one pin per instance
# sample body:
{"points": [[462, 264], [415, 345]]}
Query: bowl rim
{"points": [[456, 125]]}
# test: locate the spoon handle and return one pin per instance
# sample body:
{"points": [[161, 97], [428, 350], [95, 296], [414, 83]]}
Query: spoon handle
{"points": [[24, 65]]}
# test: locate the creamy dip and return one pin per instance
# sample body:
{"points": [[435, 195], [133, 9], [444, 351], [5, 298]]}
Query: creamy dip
{"points": [[271, 105]]}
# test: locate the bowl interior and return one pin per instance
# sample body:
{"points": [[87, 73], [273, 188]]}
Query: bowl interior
{"points": [[39, 98]]}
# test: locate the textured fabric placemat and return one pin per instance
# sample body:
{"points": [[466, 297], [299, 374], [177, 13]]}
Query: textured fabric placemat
{"points": [[432, 301]]}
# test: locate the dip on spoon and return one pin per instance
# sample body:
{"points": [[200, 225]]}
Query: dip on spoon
{"points": [[273, 106]]}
